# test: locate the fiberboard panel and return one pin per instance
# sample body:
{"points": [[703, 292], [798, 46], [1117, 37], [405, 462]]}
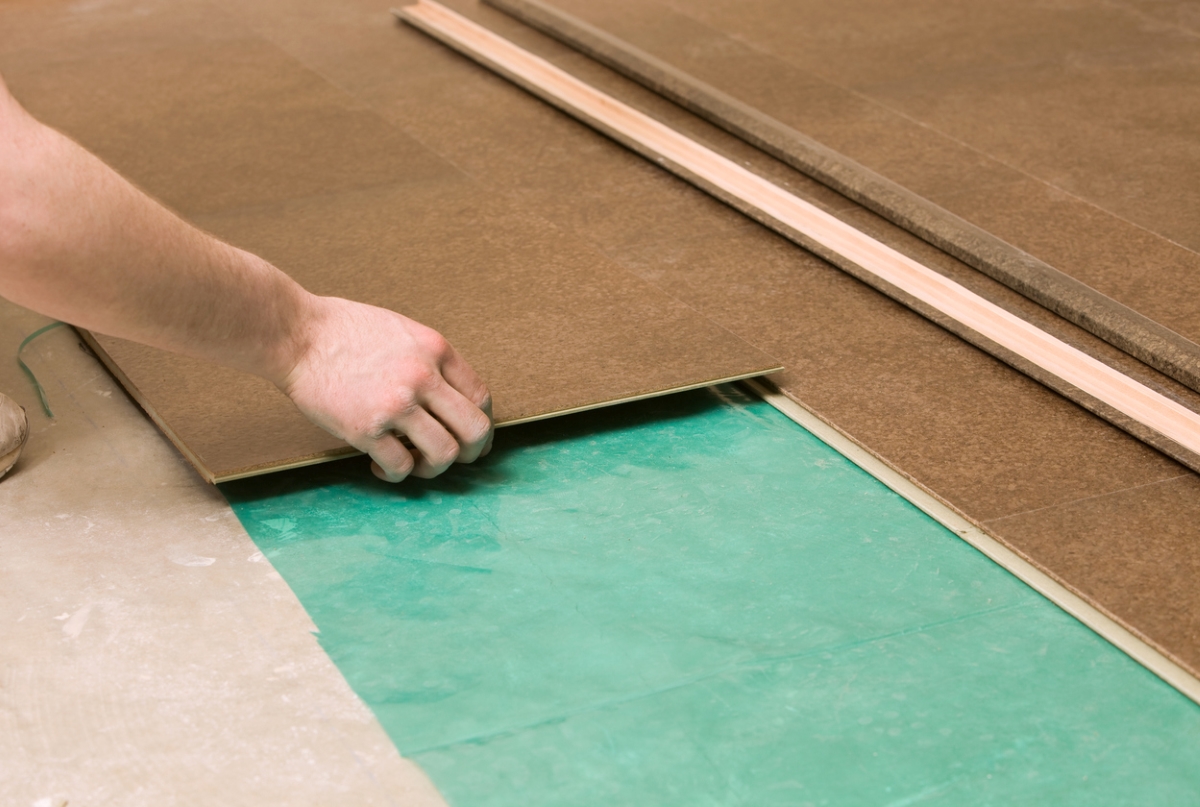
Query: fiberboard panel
{"points": [[552, 328], [259, 150], [1066, 131], [1121, 326], [1164, 423]]}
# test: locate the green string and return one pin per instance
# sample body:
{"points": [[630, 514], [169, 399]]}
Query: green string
{"points": [[25, 367]]}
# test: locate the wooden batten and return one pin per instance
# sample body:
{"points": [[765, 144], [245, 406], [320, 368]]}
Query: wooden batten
{"points": [[1151, 342], [1127, 403]]}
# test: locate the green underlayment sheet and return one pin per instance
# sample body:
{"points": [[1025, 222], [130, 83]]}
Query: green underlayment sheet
{"points": [[692, 601]]}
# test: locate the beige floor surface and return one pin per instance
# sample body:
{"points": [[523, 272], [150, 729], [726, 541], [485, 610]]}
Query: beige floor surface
{"points": [[149, 654]]}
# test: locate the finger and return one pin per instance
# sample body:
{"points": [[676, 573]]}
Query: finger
{"points": [[470, 425], [463, 378], [392, 461], [435, 448], [487, 447]]}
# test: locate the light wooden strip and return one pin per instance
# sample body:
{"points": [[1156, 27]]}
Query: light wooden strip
{"points": [[1135, 400], [1128, 642], [1138, 335]]}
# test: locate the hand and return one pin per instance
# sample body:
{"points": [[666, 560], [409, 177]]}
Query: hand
{"points": [[369, 376]]}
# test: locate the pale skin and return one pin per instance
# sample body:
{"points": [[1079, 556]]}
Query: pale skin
{"points": [[81, 244]]}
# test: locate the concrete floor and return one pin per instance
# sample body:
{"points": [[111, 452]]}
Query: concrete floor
{"points": [[149, 654]]}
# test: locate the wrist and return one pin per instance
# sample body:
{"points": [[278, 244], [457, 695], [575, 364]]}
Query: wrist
{"points": [[300, 320]]}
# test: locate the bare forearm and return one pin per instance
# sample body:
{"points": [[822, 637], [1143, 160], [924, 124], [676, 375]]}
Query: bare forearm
{"points": [[80, 243]]}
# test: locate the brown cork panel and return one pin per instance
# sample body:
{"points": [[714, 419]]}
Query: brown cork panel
{"points": [[269, 156], [226, 423], [1093, 97], [1113, 256], [895, 146], [1114, 550], [1132, 332], [215, 125], [1183, 14], [539, 310], [979, 435], [1132, 180], [44, 32]]}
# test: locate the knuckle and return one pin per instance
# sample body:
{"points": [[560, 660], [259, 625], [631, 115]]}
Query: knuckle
{"points": [[418, 379], [437, 344], [445, 454], [404, 460], [374, 429], [362, 434], [398, 468], [478, 431], [402, 403], [426, 377]]}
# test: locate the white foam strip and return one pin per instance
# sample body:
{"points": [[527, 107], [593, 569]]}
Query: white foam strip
{"points": [[1035, 578]]}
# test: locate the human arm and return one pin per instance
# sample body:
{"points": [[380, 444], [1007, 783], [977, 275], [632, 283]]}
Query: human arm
{"points": [[81, 244]]}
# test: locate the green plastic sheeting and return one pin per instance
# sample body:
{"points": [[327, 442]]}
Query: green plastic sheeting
{"points": [[693, 601]]}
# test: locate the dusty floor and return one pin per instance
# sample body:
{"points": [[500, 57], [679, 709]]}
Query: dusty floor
{"points": [[149, 654]]}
